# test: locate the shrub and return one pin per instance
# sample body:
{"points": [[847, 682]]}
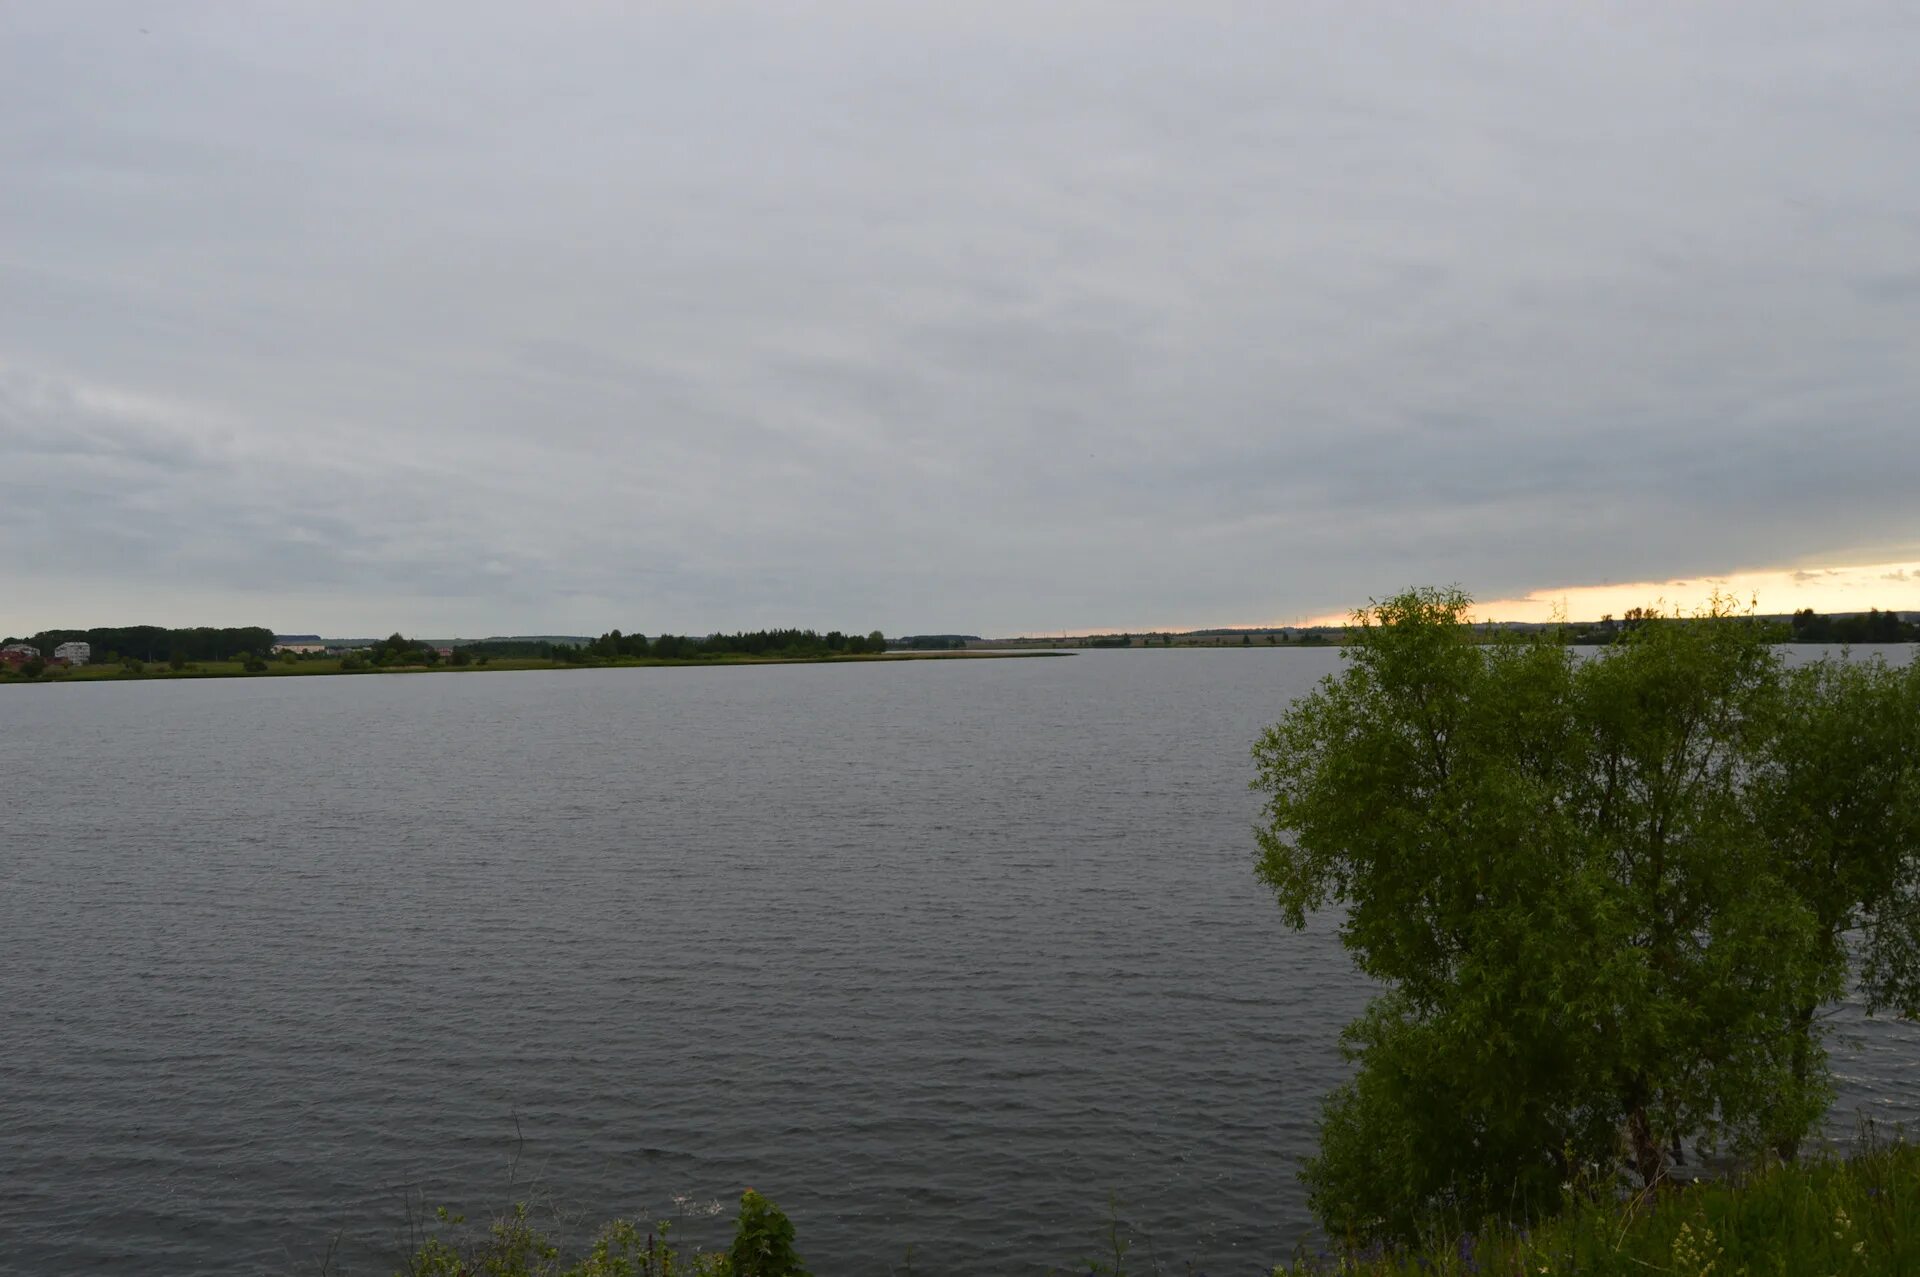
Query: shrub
{"points": [[512, 1246], [763, 1241]]}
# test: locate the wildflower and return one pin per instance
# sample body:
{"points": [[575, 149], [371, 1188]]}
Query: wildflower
{"points": [[1695, 1256]]}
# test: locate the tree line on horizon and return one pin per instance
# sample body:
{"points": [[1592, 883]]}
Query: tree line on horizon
{"points": [[114, 643], [1804, 626], [1870, 626], [613, 646], [617, 646], [157, 643]]}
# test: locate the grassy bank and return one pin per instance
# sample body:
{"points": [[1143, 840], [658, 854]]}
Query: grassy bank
{"points": [[1828, 1215], [332, 665]]}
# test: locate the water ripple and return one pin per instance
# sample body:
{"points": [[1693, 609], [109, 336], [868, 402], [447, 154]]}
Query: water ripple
{"points": [[935, 954]]}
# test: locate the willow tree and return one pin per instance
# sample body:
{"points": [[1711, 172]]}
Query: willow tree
{"points": [[1559, 870], [1837, 795]]}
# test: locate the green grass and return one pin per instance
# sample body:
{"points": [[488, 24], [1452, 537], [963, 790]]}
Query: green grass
{"points": [[1826, 1215]]}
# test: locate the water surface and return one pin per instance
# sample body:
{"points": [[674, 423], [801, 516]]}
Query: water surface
{"points": [[936, 953]]}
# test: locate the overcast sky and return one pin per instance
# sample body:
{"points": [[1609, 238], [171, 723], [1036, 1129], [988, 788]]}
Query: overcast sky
{"points": [[472, 318]]}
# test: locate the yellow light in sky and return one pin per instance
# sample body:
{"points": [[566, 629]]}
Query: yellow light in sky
{"points": [[1892, 587]]}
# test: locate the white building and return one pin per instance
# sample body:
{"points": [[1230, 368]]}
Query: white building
{"points": [[74, 653]]}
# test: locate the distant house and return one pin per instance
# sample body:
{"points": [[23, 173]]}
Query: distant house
{"points": [[300, 644], [74, 653], [14, 655]]}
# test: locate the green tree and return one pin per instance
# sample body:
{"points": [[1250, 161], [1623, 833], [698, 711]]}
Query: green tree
{"points": [[1560, 869], [398, 649], [763, 1241], [1701, 930], [1395, 789], [1837, 793]]}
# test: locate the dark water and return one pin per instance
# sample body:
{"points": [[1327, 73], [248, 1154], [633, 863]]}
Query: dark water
{"points": [[941, 954]]}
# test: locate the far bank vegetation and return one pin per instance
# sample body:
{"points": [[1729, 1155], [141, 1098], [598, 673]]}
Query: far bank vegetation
{"points": [[155, 652]]}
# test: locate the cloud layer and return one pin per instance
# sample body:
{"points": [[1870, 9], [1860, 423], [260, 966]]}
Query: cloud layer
{"points": [[475, 318]]}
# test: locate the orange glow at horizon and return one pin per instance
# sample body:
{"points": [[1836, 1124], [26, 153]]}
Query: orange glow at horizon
{"points": [[1891, 587]]}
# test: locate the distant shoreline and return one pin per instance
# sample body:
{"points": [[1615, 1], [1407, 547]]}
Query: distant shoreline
{"points": [[326, 668]]}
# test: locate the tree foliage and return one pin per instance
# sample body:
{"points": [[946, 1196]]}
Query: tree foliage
{"points": [[763, 1241], [513, 1244], [1871, 626], [615, 646], [398, 649], [156, 643], [1604, 895]]}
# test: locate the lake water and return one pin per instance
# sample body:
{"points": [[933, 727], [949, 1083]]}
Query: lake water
{"points": [[941, 954]]}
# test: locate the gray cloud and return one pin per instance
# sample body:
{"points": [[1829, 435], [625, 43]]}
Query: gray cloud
{"points": [[466, 318]]}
